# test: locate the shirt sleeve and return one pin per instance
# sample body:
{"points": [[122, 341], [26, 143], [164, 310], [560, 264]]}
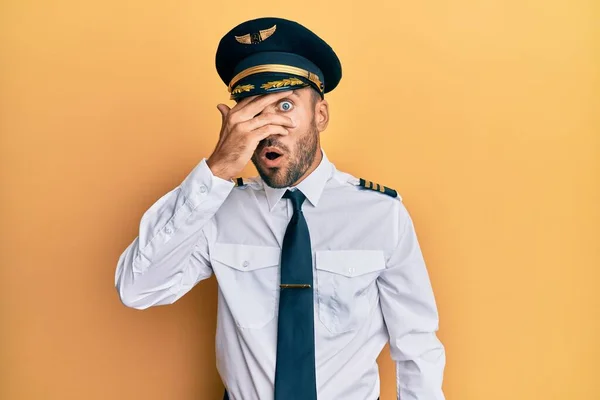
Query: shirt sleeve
{"points": [[411, 317], [170, 254]]}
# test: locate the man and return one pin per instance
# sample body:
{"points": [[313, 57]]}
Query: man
{"points": [[316, 269]]}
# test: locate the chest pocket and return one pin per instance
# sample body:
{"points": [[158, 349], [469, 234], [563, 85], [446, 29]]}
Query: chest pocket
{"points": [[248, 279], [346, 287]]}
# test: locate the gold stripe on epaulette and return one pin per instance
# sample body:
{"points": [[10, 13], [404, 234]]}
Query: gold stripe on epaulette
{"points": [[377, 187]]}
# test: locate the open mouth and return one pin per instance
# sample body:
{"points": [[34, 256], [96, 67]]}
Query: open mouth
{"points": [[271, 156]]}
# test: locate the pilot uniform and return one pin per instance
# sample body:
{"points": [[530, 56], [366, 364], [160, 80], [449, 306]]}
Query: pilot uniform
{"points": [[313, 280]]}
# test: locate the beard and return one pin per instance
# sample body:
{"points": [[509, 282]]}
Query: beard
{"points": [[297, 164]]}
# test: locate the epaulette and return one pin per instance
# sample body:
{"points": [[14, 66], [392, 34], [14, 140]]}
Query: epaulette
{"points": [[239, 182], [377, 187]]}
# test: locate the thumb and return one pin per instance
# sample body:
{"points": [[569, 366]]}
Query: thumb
{"points": [[224, 110]]}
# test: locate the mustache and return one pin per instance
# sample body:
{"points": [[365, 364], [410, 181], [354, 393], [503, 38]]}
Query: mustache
{"points": [[272, 142]]}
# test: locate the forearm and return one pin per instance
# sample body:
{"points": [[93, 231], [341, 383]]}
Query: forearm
{"points": [[169, 254], [411, 316], [419, 375]]}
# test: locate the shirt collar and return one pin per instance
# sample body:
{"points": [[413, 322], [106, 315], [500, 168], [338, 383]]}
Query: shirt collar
{"points": [[312, 186]]}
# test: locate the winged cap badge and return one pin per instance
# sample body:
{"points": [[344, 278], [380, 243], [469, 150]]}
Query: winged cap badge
{"points": [[254, 38]]}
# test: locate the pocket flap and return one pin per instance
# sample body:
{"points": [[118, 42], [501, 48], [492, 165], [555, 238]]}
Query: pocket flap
{"points": [[350, 262], [245, 257]]}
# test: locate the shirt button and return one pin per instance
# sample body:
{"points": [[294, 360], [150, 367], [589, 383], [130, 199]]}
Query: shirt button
{"points": [[351, 270], [203, 189], [245, 264], [168, 230]]}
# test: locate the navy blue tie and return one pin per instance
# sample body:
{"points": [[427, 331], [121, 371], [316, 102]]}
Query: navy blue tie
{"points": [[295, 374]]}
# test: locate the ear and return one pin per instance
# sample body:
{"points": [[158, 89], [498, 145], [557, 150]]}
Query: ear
{"points": [[322, 114]]}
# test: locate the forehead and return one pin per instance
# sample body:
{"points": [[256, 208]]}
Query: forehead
{"points": [[295, 93]]}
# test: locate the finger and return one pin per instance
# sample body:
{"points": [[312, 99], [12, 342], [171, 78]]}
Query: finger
{"points": [[268, 130], [243, 102], [224, 110], [266, 119], [256, 106]]}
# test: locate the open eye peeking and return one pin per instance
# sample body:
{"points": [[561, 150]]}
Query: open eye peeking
{"points": [[285, 105]]}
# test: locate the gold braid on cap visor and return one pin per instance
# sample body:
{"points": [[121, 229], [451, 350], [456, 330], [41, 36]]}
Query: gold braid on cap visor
{"points": [[285, 69]]}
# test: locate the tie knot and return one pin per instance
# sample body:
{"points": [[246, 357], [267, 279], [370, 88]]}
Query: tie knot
{"points": [[297, 198]]}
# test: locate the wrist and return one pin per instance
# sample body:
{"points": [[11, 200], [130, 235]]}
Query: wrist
{"points": [[219, 170]]}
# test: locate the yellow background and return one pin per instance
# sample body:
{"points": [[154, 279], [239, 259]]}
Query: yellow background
{"points": [[484, 115]]}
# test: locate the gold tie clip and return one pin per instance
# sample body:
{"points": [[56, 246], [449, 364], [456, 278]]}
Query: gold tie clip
{"points": [[294, 285]]}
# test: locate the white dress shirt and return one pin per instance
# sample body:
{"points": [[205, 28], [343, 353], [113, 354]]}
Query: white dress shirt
{"points": [[370, 281]]}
